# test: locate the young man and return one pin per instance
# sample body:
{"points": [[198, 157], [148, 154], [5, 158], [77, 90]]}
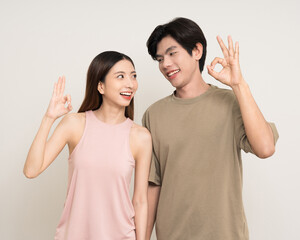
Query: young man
{"points": [[195, 184]]}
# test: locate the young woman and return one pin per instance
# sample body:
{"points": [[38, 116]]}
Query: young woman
{"points": [[105, 146]]}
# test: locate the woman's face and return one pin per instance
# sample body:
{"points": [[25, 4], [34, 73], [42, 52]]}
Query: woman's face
{"points": [[120, 84]]}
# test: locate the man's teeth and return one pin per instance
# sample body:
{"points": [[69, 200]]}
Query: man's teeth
{"points": [[126, 94], [172, 73]]}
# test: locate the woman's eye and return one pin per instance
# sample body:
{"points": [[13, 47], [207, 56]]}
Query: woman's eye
{"points": [[135, 76], [159, 59], [120, 76], [172, 53]]}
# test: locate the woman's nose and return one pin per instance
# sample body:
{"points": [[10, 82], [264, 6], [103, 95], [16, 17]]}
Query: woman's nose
{"points": [[129, 82]]}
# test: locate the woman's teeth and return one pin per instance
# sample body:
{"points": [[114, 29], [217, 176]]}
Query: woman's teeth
{"points": [[126, 94]]}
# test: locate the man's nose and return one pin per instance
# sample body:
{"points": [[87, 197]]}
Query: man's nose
{"points": [[167, 62]]}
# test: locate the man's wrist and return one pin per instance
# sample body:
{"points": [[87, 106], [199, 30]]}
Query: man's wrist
{"points": [[240, 87]]}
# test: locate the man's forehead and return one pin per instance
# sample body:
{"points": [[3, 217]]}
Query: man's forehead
{"points": [[166, 42], [164, 47]]}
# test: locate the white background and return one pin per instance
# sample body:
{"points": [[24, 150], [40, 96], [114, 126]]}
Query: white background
{"points": [[42, 40]]}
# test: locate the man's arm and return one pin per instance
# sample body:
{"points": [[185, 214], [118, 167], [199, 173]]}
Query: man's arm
{"points": [[258, 131], [153, 196]]}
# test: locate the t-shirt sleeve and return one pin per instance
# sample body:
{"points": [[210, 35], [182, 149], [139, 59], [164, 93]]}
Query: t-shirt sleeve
{"points": [[154, 175], [274, 131], [240, 133]]}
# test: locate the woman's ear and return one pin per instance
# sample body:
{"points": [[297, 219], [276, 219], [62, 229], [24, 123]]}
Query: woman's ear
{"points": [[197, 51], [101, 87]]}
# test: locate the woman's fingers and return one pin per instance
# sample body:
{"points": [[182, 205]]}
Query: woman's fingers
{"points": [[68, 96], [63, 82], [67, 100], [54, 90], [59, 87], [237, 50], [58, 92]]}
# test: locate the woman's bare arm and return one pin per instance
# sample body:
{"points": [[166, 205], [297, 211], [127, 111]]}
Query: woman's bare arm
{"points": [[142, 149], [42, 152]]}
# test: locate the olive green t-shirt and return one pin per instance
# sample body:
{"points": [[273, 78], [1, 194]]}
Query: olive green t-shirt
{"points": [[197, 162]]}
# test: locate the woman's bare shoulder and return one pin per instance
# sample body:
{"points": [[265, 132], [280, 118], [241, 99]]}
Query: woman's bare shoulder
{"points": [[140, 141], [140, 133], [74, 120]]}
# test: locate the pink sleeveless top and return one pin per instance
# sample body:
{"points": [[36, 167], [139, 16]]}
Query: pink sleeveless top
{"points": [[98, 204]]}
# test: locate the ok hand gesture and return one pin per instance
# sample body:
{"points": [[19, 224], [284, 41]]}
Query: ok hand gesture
{"points": [[231, 73], [57, 106]]}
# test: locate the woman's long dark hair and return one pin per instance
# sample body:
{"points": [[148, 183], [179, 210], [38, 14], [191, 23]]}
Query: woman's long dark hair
{"points": [[97, 72]]}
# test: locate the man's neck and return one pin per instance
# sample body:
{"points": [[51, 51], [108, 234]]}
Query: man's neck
{"points": [[193, 88]]}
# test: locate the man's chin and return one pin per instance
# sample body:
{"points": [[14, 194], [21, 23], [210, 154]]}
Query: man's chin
{"points": [[174, 83]]}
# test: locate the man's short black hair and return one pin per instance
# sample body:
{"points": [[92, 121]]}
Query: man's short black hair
{"points": [[185, 31]]}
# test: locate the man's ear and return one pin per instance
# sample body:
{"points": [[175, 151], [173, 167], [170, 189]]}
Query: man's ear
{"points": [[198, 51], [101, 87]]}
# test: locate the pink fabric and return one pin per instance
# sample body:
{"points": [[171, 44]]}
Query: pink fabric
{"points": [[98, 205]]}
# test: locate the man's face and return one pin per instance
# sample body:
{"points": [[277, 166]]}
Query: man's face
{"points": [[175, 63]]}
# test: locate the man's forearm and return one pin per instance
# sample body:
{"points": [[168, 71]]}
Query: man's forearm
{"points": [[258, 131], [153, 196]]}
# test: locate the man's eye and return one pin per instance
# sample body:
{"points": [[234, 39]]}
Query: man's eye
{"points": [[172, 53], [120, 76]]}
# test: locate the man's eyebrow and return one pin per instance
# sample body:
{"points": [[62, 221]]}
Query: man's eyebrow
{"points": [[168, 50]]}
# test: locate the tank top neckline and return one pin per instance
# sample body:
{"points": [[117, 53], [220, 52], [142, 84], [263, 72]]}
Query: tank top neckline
{"points": [[108, 124]]}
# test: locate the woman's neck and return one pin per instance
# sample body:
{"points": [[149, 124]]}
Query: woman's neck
{"points": [[111, 114]]}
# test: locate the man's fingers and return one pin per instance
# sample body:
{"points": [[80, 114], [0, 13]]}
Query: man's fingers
{"points": [[211, 67], [212, 72], [223, 47], [218, 60], [230, 46]]}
